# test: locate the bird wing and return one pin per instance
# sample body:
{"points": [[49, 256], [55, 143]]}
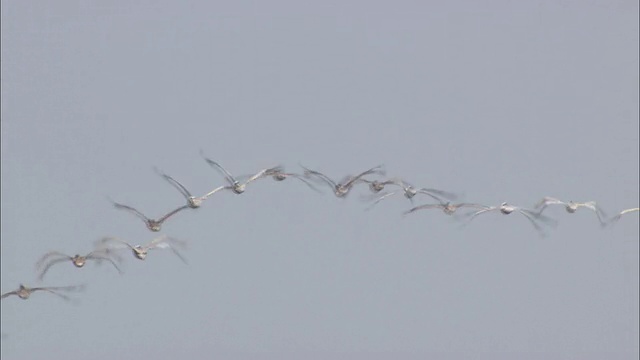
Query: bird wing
{"points": [[132, 210], [177, 210], [98, 256], [183, 190], [440, 193], [14, 292], [49, 265], [227, 175], [547, 200], [206, 196], [52, 292], [258, 175], [425, 206], [50, 254], [374, 170], [319, 175]]}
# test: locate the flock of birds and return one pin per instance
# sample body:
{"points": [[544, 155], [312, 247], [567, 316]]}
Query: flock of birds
{"points": [[109, 249]]}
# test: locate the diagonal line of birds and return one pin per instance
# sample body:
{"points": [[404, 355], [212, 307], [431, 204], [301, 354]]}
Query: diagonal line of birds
{"points": [[109, 249]]}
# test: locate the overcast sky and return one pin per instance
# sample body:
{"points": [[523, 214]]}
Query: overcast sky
{"points": [[495, 100]]}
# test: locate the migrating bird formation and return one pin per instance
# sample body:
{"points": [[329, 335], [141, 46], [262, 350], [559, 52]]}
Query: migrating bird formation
{"points": [[108, 249]]}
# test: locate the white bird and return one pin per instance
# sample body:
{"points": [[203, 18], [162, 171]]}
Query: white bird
{"points": [[278, 174], [571, 207], [235, 185], [141, 251], [619, 215], [54, 257], [24, 292], [448, 208], [342, 188], [152, 224], [409, 191], [192, 201], [531, 215], [376, 186]]}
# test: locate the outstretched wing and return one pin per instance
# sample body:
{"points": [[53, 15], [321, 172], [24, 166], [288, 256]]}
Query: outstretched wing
{"points": [[49, 265], [318, 175], [14, 292], [132, 210], [165, 242], [49, 255], [546, 201], [374, 170], [425, 206], [165, 217], [101, 256], [175, 183], [227, 175]]}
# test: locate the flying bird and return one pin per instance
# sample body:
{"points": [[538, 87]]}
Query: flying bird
{"points": [[192, 201], [342, 188], [24, 292], [409, 191], [571, 207], [531, 215], [448, 208], [234, 183], [141, 251], [54, 257], [152, 224], [376, 186], [278, 174]]}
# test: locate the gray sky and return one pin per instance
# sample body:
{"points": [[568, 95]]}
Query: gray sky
{"points": [[499, 100]]}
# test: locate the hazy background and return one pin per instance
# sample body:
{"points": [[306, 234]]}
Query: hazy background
{"points": [[500, 100]]}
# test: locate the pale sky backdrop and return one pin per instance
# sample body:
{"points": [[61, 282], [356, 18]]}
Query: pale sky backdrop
{"points": [[499, 100]]}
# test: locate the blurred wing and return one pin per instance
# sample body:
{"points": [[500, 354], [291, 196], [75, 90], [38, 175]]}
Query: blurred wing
{"points": [[162, 219], [165, 245], [374, 170], [227, 175], [48, 255], [319, 176], [310, 185], [257, 176], [49, 265], [63, 288], [99, 257], [440, 193], [14, 292], [175, 183], [52, 292], [131, 210], [426, 206]]}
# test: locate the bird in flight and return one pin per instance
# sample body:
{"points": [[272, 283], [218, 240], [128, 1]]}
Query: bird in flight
{"points": [[448, 208], [571, 207], [24, 292], [234, 184], [152, 224], [141, 251], [54, 257], [278, 174], [192, 201], [409, 191], [376, 186], [531, 215]]}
